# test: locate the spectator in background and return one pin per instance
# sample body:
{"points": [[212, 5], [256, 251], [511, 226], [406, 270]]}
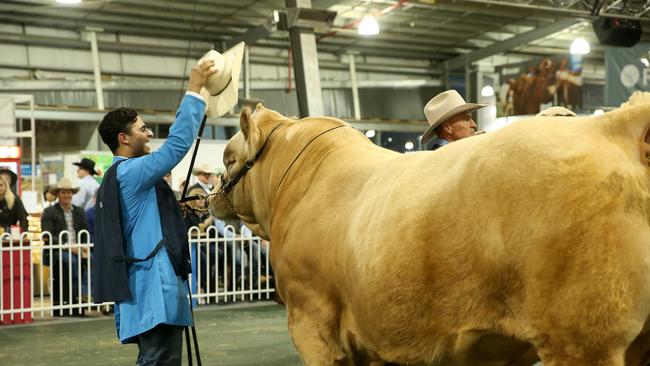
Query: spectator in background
{"points": [[203, 173], [90, 221], [197, 215], [449, 118], [64, 216], [88, 186], [49, 196], [11, 208], [10, 177]]}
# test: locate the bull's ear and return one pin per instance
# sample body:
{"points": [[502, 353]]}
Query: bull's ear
{"points": [[250, 131]]}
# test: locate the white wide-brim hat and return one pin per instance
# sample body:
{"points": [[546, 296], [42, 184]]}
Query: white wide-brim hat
{"points": [[66, 184], [221, 92], [203, 168], [442, 107]]}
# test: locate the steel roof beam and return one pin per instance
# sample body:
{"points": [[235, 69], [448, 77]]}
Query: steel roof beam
{"points": [[510, 44]]}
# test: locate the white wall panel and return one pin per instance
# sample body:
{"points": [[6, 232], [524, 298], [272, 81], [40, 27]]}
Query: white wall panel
{"points": [[60, 58], [52, 32], [13, 54]]}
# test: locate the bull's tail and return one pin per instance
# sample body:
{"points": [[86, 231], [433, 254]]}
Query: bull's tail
{"points": [[632, 123]]}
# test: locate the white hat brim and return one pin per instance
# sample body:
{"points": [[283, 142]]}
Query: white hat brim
{"points": [[467, 107], [218, 105]]}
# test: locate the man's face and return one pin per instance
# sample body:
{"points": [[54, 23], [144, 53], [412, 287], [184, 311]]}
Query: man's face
{"points": [[65, 197], [461, 126], [81, 173], [138, 137], [204, 178]]}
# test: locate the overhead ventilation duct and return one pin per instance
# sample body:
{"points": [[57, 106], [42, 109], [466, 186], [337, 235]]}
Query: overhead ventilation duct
{"points": [[617, 32]]}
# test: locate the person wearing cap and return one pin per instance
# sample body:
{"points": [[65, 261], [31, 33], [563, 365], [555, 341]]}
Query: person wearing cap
{"points": [[10, 177], [60, 217], [203, 173], [148, 280], [449, 118], [87, 184]]}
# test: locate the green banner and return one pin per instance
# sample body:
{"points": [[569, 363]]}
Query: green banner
{"points": [[628, 70]]}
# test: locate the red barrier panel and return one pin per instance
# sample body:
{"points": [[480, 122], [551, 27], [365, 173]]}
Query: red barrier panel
{"points": [[21, 290]]}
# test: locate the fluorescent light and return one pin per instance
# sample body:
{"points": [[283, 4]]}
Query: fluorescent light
{"points": [[580, 47], [370, 133], [368, 26], [487, 91], [645, 62], [599, 112], [408, 145], [68, 2]]}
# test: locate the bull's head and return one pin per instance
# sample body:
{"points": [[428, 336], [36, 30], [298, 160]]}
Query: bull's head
{"points": [[241, 193]]}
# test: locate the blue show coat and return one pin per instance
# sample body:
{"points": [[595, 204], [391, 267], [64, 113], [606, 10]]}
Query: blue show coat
{"points": [[158, 296]]}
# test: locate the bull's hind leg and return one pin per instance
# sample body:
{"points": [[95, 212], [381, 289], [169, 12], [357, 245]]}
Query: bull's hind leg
{"points": [[312, 334]]}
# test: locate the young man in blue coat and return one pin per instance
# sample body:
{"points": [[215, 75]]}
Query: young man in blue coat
{"points": [[156, 309]]}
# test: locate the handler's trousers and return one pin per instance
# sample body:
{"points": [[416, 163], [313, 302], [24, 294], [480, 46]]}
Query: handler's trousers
{"points": [[161, 346]]}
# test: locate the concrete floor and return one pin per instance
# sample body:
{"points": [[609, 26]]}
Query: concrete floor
{"points": [[243, 335]]}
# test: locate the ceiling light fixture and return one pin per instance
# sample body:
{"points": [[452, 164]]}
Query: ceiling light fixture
{"points": [[580, 47], [68, 2], [368, 26], [487, 91]]}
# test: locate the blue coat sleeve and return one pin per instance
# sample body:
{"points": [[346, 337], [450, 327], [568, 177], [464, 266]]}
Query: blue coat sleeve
{"points": [[152, 167]]}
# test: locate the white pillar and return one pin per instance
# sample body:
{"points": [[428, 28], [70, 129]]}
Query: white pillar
{"points": [[355, 89]]}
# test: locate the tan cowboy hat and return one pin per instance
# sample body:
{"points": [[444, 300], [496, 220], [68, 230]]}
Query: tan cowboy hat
{"points": [[202, 168], [65, 183], [556, 111], [442, 107], [221, 92]]}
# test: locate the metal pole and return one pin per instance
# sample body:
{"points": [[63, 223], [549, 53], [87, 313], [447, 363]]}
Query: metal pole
{"points": [[355, 89], [33, 128], [92, 37], [247, 73]]}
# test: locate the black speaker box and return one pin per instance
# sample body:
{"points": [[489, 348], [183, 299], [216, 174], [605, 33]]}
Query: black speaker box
{"points": [[617, 32]]}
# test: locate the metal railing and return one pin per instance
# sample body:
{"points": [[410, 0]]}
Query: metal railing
{"points": [[47, 277]]}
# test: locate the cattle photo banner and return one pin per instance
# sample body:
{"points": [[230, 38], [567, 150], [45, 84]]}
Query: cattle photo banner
{"points": [[628, 70], [529, 86]]}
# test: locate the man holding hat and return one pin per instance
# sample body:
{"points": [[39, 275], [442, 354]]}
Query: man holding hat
{"points": [[87, 184], [449, 118], [141, 254]]}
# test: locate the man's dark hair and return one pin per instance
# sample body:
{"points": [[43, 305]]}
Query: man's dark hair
{"points": [[115, 122]]}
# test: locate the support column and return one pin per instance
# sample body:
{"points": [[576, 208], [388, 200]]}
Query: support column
{"points": [[355, 89], [247, 74], [305, 66], [94, 143]]}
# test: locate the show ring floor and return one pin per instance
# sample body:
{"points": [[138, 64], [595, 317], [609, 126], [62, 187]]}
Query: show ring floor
{"points": [[230, 335]]}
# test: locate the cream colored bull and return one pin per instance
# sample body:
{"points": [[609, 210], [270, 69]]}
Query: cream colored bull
{"points": [[531, 240]]}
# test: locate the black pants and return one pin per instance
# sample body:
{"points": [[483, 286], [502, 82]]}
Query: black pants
{"points": [[161, 346]]}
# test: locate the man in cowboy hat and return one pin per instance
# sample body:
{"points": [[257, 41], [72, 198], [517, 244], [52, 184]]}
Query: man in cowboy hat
{"points": [[203, 173], [85, 198], [60, 217], [147, 283], [449, 118]]}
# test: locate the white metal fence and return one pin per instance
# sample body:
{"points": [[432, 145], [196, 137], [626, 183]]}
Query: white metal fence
{"points": [[50, 276]]}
